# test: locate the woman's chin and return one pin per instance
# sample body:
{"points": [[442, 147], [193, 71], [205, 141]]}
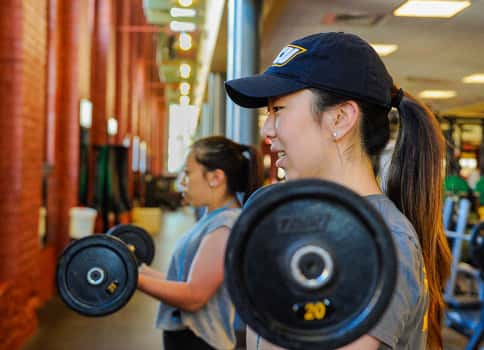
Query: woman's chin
{"points": [[290, 175]]}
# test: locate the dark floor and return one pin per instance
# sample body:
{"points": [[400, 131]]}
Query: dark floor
{"points": [[133, 326]]}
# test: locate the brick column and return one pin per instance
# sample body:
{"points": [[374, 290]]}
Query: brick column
{"points": [[157, 145], [64, 180], [122, 71], [102, 70], [22, 96]]}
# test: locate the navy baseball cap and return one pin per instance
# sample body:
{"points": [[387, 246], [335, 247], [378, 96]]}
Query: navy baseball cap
{"points": [[337, 62]]}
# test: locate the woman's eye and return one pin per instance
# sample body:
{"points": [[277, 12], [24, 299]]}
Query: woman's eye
{"points": [[277, 109]]}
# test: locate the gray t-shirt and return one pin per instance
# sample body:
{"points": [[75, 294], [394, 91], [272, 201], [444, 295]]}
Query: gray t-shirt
{"points": [[403, 325], [214, 323]]}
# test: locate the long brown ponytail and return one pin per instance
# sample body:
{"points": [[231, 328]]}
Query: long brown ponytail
{"points": [[415, 186], [414, 183]]}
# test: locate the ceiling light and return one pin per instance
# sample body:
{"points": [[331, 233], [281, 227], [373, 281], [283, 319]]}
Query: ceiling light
{"points": [[384, 49], [177, 26], [184, 100], [477, 78], [431, 8], [178, 12], [437, 94], [184, 88], [185, 41], [185, 3], [185, 70]]}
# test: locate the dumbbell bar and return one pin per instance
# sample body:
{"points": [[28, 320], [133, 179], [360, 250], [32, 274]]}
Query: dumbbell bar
{"points": [[310, 265], [138, 241], [97, 275]]}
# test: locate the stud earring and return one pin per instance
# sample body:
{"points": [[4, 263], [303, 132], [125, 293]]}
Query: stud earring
{"points": [[335, 134]]}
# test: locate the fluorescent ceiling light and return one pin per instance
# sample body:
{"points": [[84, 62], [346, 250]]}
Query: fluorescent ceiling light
{"points": [[185, 3], [437, 94], [176, 26], [184, 88], [185, 70], [477, 78], [384, 49], [185, 41], [178, 12], [431, 8]]}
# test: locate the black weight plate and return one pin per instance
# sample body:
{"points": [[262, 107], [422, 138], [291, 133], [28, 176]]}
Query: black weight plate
{"points": [[83, 262], [137, 237], [321, 214]]}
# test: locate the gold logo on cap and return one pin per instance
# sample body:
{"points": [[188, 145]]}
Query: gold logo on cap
{"points": [[287, 54]]}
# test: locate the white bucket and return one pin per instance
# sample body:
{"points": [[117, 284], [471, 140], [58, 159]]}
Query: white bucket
{"points": [[82, 222]]}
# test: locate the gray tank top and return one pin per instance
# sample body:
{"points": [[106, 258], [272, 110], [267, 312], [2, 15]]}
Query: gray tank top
{"points": [[214, 323]]}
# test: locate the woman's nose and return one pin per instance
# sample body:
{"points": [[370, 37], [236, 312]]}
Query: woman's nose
{"points": [[268, 129], [183, 181]]}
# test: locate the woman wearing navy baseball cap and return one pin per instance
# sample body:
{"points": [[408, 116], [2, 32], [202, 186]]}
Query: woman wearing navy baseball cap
{"points": [[328, 97]]}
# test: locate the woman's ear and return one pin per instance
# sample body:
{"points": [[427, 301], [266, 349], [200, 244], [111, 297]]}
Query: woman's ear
{"points": [[215, 177], [344, 118]]}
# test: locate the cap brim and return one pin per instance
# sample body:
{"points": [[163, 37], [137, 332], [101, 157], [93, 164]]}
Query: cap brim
{"points": [[254, 92]]}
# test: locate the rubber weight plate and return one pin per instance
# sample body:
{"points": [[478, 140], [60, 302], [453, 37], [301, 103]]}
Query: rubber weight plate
{"points": [[96, 275], [138, 239], [310, 265]]}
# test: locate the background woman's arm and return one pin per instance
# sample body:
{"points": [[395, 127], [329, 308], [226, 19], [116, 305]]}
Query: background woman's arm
{"points": [[205, 277], [148, 271]]}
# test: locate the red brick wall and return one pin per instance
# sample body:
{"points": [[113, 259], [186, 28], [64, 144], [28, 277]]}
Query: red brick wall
{"points": [[46, 66], [22, 95]]}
